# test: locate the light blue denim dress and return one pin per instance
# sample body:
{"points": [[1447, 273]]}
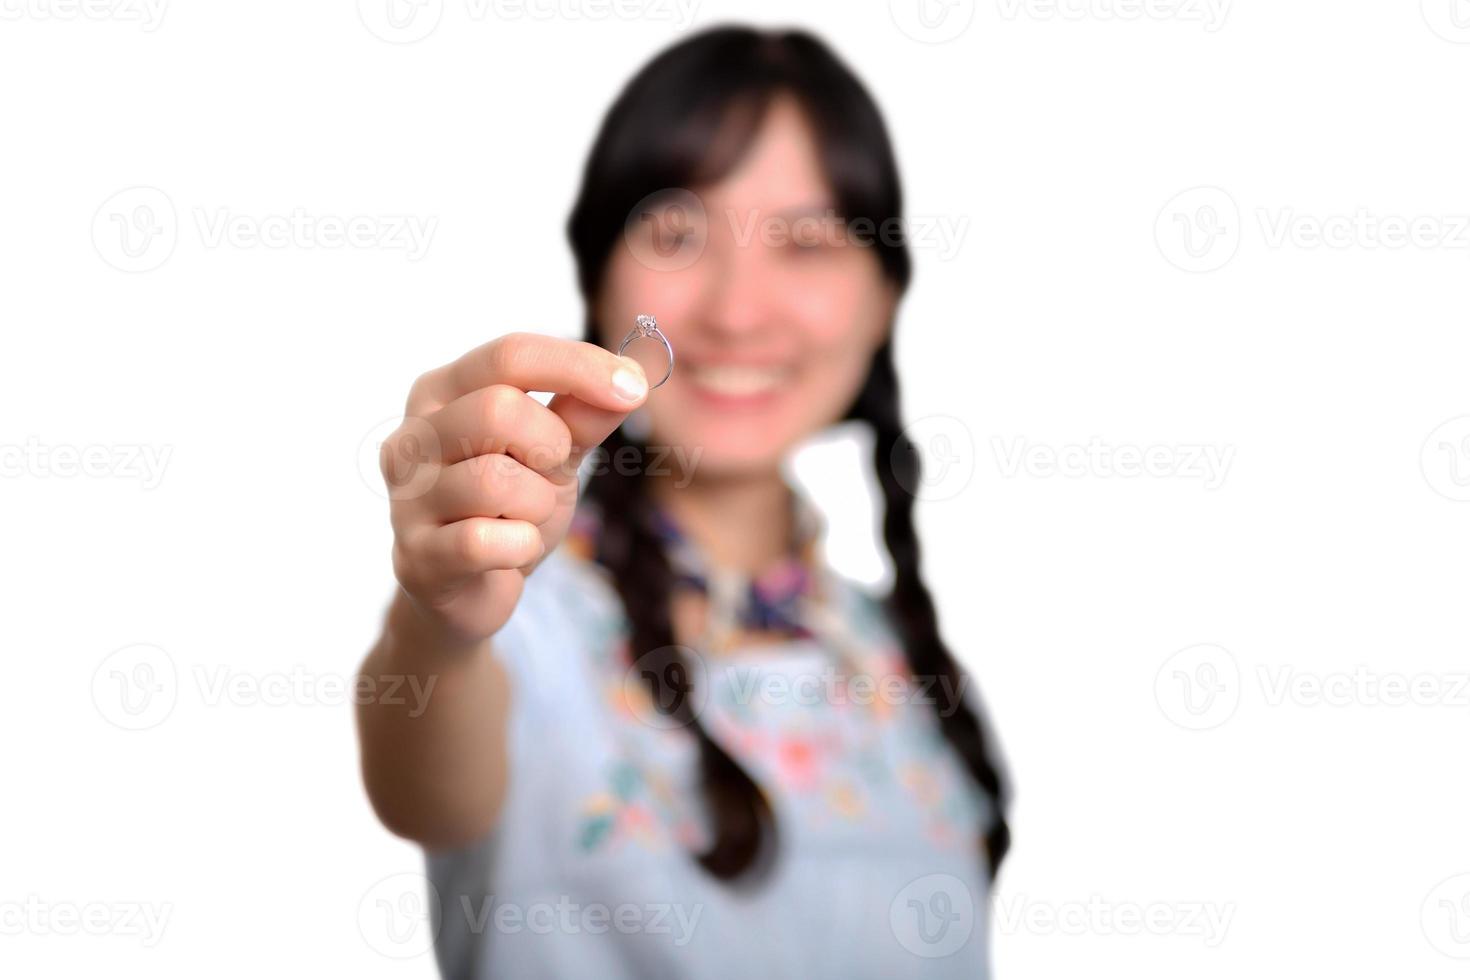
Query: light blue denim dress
{"points": [[589, 873]]}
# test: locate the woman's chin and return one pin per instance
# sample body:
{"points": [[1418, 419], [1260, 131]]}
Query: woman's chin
{"points": [[724, 434], [725, 455]]}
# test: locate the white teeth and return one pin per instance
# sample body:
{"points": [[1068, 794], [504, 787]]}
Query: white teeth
{"points": [[736, 380]]}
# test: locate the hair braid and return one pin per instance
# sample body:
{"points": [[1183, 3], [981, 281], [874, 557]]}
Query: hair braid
{"points": [[742, 824], [896, 462]]}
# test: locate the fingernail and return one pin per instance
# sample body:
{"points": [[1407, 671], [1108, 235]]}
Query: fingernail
{"points": [[630, 383]]}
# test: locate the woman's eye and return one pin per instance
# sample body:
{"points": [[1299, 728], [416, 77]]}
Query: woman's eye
{"points": [[813, 240], [817, 235], [679, 240], [670, 231]]}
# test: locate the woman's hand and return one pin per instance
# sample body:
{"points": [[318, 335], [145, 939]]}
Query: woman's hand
{"points": [[483, 477], [483, 481]]}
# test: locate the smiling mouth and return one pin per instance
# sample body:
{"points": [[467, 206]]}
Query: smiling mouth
{"points": [[738, 381]]}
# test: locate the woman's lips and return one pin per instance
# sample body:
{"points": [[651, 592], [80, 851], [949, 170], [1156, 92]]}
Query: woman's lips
{"points": [[737, 385]]}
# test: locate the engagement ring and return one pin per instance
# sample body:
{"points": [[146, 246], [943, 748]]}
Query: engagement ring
{"points": [[647, 326]]}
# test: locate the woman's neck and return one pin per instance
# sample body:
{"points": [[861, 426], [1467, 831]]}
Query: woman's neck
{"points": [[741, 523]]}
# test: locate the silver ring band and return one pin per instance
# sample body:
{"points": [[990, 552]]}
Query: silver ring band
{"points": [[647, 326]]}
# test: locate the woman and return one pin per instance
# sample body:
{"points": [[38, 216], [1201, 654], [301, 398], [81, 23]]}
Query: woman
{"points": [[665, 738]]}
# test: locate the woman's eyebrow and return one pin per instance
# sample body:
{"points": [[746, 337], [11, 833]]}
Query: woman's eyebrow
{"points": [[824, 209]]}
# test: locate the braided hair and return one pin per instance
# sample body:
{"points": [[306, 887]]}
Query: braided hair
{"points": [[660, 134]]}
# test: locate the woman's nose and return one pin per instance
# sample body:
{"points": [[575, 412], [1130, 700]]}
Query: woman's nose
{"points": [[737, 297]]}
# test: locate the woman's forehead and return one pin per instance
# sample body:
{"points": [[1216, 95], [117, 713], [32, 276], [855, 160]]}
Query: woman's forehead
{"points": [[782, 167]]}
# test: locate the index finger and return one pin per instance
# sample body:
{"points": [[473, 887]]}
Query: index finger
{"points": [[536, 362]]}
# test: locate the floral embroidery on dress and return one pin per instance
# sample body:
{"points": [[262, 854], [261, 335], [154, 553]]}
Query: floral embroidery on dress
{"points": [[877, 764], [637, 807]]}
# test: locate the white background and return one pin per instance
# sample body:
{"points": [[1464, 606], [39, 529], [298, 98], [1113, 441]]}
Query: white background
{"points": [[1324, 829]]}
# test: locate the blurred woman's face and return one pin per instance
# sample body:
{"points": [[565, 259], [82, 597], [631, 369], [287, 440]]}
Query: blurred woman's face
{"points": [[773, 311]]}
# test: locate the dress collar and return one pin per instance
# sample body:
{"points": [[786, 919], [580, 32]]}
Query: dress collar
{"points": [[775, 599]]}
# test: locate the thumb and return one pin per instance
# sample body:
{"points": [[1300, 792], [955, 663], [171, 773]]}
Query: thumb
{"points": [[590, 425]]}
